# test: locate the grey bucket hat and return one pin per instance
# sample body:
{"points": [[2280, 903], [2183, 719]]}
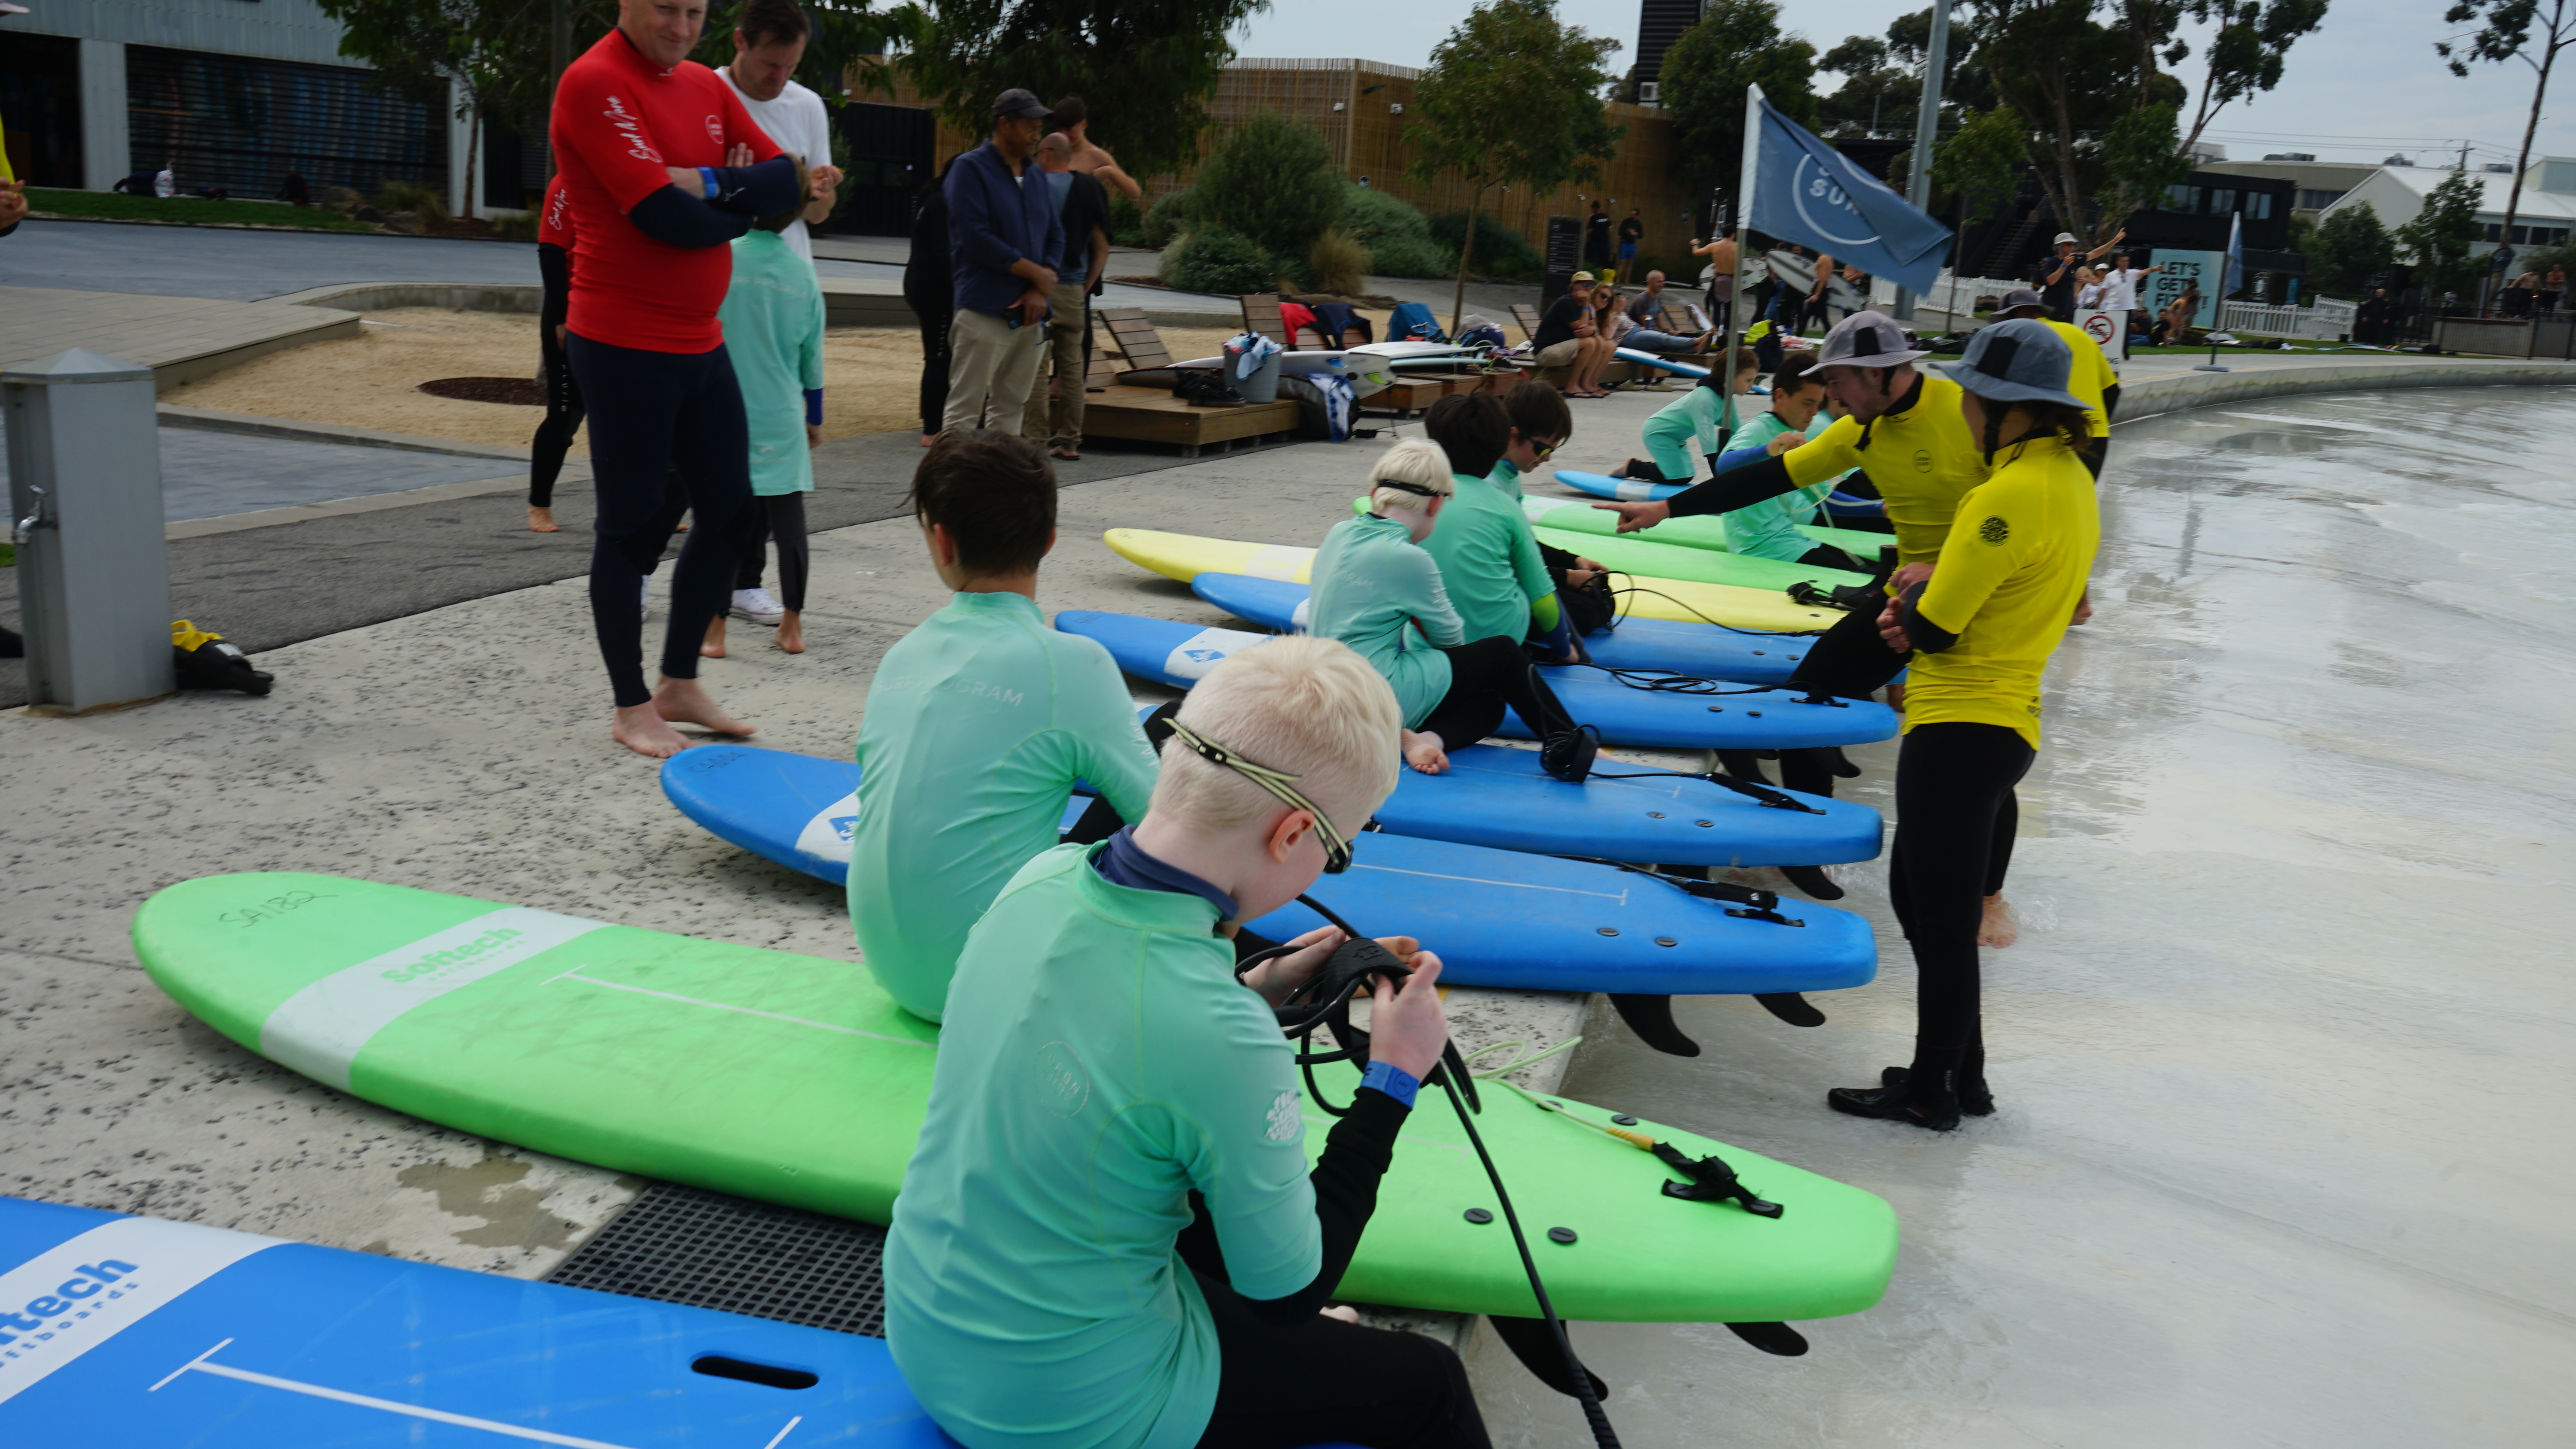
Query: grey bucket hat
{"points": [[2018, 298], [1865, 339], [2017, 361]]}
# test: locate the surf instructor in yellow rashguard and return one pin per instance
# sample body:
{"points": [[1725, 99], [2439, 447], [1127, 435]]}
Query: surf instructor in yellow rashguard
{"points": [[1903, 426], [1980, 627]]}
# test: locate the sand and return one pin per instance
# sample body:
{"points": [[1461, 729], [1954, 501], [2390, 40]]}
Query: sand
{"points": [[871, 377]]}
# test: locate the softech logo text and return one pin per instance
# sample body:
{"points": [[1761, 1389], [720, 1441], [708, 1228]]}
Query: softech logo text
{"points": [[436, 961], [40, 1318]]}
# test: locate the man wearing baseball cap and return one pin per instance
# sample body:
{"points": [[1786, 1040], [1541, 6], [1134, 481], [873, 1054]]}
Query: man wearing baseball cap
{"points": [[2091, 378], [1003, 234], [2056, 274]]}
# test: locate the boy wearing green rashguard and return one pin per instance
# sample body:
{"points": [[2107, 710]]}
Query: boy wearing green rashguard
{"points": [[1110, 1234], [1768, 527], [978, 722]]}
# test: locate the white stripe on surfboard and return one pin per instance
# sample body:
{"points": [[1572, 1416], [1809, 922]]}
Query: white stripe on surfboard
{"points": [[203, 1364], [104, 1282], [575, 975], [1621, 896], [320, 1030]]}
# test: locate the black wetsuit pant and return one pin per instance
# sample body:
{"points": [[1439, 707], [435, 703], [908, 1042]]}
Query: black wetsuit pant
{"points": [[1324, 1380], [651, 412], [780, 516], [563, 395], [934, 322], [1485, 675], [1955, 817]]}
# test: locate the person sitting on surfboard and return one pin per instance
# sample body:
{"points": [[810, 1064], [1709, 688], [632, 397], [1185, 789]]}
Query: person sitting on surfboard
{"points": [[1980, 625], [1376, 589], [1697, 416], [1109, 1232], [978, 722], [1489, 559]]}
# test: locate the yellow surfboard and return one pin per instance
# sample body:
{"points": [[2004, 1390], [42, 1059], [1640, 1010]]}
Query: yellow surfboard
{"points": [[1185, 556]]}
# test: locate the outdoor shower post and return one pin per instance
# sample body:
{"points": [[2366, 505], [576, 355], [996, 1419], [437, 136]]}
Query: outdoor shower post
{"points": [[85, 514]]}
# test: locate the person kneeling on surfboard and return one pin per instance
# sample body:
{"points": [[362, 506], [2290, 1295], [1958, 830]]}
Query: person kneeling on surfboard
{"points": [[1697, 416], [1109, 1234], [978, 722], [1768, 527], [1374, 585], [1980, 626]]}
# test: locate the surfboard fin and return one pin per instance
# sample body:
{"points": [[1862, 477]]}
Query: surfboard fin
{"points": [[1777, 1338], [1532, 1343], [1651, 1018], [1791, 1007]]}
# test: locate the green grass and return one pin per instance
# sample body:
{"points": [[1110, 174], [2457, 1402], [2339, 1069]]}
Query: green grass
{"points": [[8, 555], [110, 206]]}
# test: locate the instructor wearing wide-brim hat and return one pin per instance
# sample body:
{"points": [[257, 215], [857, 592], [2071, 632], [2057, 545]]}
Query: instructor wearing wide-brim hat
{"points": [[2091, 379]]}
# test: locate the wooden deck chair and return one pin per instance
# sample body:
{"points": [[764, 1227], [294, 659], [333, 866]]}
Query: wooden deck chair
{"points": [[1527, 316], [1102, 373], [1134, 337], [1261, 314]]}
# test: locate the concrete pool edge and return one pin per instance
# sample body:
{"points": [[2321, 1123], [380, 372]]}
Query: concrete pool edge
{"points": [[2161, 396]]}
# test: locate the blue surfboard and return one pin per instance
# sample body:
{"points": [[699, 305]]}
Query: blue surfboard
{"points": [[1644, 358], [1497, 918], [1701, 650], [1751, 718], [1623, 490], [149, 1332]]}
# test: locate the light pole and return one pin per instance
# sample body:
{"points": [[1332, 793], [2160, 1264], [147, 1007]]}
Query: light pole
{"points": [[1927, 122]]}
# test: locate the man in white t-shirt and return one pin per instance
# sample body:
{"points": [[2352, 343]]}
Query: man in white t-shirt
{"points": [[768, 41], [2120, 289]]}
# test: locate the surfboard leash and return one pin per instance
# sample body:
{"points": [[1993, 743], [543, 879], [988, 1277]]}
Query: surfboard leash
{"points": [[1362, 965], [1634, 587]]}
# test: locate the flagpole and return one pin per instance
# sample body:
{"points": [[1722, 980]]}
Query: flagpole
{"points": [[1927, 125], [1743, 249]]}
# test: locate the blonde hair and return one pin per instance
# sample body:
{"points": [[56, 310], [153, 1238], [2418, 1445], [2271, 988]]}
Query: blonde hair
{"points": [[1418, 461], [1298, 704]]}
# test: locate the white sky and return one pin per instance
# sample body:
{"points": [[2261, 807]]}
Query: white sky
{"points": [[2365, 85]]}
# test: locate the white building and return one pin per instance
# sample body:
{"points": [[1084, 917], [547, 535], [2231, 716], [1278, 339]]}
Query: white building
{"points": [[2546, 215], [229, 93]]}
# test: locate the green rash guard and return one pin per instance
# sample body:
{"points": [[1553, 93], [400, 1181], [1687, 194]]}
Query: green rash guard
{"points": [[1102, 1064], [978, 723], [1697, 416], [1371, 582], [1489, 563], [773, 331], [1769, 529]]}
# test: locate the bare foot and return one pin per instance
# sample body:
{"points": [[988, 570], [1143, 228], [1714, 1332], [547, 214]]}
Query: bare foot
{"points": [[542, 520], [683, 701], [1896, 696], [714, 645], [2083, 609], [929, 438], [1342, 1311], [2001, 927], [642, 729], [791, 632], [1423, 752]]}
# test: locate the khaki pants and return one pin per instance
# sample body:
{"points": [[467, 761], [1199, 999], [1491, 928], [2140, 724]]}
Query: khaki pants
{"points": [[1057, 422], [990, 367]]}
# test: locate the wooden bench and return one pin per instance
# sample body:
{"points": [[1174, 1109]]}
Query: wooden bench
{"points": [[1151, 414], [1527, 316]]}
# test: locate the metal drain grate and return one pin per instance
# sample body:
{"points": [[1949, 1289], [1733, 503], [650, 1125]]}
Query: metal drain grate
{"points": [[709, 1250]]}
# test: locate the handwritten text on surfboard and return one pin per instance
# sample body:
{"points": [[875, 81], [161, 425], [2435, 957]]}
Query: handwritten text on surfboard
{"points": [[273, 906]]}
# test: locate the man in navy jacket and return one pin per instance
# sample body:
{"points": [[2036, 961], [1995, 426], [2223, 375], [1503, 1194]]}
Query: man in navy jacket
{"points": [[1003, 236]]}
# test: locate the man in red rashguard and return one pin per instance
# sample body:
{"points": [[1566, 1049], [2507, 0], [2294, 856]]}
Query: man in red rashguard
{"points": [[642, 136]]}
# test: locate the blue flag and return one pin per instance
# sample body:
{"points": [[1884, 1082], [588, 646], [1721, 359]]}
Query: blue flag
{"points": [[2235, 277], [1806, 191]]}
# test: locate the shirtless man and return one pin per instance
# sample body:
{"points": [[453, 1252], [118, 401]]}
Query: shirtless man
{"points": [[1074, 119], [1721, 282]]}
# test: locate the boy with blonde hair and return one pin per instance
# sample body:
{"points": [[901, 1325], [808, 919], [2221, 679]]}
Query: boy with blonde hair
{"points": [[1109, 1233]]}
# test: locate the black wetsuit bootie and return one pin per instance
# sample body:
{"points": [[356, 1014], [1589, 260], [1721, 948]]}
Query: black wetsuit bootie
{"points": [[1936, 1111], [1975, 1097]]}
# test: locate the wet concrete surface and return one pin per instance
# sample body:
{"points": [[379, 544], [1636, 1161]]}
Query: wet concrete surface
{"points": [[2277, 1053]]}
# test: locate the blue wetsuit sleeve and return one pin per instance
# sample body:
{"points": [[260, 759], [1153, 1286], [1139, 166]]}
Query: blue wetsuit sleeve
{"points": [[755, 191], [813, 407], [676, 219]]}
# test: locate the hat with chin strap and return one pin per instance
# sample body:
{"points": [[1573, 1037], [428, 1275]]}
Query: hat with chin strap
{"points": [[2022, 360], [1866, 339]]}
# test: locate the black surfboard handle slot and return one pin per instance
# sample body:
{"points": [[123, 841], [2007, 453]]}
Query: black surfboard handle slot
{"points": [[768, 1376]]}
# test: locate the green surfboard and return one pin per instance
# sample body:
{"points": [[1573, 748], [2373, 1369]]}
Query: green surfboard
{"points": [[1707, 530], [795, 1080]]}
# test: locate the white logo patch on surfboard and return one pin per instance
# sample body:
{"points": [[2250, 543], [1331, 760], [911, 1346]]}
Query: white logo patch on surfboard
{"points": [[78, 1294], [827, 836], [1193, 657]]}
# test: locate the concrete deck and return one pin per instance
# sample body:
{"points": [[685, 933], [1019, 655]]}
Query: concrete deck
{"points": [[179, 338]]}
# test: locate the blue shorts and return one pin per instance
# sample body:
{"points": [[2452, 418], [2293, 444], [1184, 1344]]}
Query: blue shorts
{"points": [[1627, 251]]}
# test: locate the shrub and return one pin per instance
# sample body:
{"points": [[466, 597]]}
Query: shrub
{"points": [[1499, 252], [1126, 221], [1339, 264], [1220, 260], [516, 225], [1398, 237], [411, 196], [1272, 181], [1169, 218]]}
